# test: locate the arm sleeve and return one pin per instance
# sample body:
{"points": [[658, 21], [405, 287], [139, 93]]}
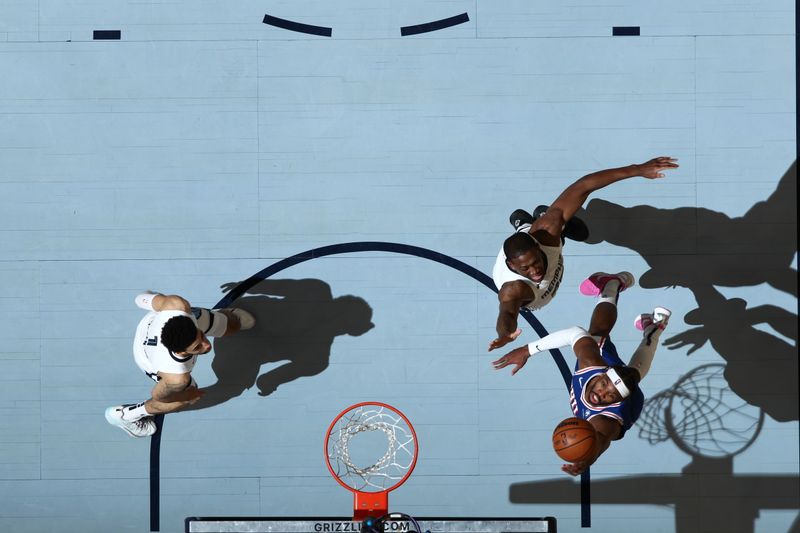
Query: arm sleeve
{"points": [[564, 337]]}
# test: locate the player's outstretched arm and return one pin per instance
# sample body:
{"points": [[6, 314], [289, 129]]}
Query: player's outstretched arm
{"points": [[576, 194], [558, 339], [153, 301], [512, 296], [607, 430]]}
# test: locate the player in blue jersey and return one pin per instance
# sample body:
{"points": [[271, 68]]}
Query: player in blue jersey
{"points": [[603, 390]]}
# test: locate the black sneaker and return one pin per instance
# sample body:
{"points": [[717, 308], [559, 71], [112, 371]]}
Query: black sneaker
{"points": [[520, 217], [539, 211], [576, 230]]}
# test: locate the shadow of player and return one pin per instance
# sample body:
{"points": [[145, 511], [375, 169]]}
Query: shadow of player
{"points": [[691, 246], [296, 321], [699, 249], [761, 368], [711, 424]]}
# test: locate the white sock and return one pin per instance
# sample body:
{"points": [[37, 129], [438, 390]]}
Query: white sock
{"points": [[610, 292], [643, 356], [135, 411]]}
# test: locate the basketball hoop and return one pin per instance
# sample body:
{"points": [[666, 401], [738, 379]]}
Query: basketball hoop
{"points": [[385, 470]]}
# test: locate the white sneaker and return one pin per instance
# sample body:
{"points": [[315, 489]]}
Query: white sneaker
{"points": [[246, 320], [144, 427], [594, 284], [659, 317]]}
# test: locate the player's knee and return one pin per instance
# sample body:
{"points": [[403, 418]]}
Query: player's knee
{"points": [[213, 323], [316, 368], [233, 325], [179, 382]]}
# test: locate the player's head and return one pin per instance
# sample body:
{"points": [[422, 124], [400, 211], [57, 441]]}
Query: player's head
{"points": [[181, 336], [613, 386], [524, 256], [353, 314]]}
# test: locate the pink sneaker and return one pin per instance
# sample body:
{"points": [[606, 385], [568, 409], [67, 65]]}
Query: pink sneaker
{"points": [[659, 316], [593, 285]]}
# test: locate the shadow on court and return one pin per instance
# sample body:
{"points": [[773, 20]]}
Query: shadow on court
{"points": [[691, 246], [737, 498], [716, 411], [296, 322], [700, 250], [711, 424]]}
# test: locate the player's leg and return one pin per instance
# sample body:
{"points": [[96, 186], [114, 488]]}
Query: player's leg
{"points": [[651, 325], [133, 418], [607, 287], [137, 419], [222, 322]]}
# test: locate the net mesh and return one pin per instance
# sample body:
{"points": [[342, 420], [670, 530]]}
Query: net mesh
{"points": [[387, 470], [701, 414]]}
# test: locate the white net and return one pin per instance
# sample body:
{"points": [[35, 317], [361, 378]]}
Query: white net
{"points": [[379, 469]]}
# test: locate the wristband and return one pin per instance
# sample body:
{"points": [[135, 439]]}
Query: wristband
{"points": [[145, 300]]}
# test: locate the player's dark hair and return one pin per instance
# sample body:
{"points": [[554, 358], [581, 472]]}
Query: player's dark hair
{"points": [[518, 244], [178, 333], [629, 375]]}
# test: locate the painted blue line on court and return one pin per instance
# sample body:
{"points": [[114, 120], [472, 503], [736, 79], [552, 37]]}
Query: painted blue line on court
{"points": [[106, 35], [625, 30], [436, 25], [373, 246], [155, 475], [406, 249], [291, 25]]}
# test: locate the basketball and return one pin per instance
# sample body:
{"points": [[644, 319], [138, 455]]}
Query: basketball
{"points": [[573, 439]]}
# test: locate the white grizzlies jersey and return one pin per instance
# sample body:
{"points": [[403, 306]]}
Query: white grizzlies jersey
{"points": [[543, 291], [152, 356]]}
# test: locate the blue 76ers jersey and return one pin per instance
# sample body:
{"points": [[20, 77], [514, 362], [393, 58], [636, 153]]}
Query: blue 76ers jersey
{"points": [[625, 412]]}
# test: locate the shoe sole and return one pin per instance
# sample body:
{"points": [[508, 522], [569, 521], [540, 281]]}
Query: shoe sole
{"points": [[638, 322], [576, 230], [594, 284], [663, 311]]}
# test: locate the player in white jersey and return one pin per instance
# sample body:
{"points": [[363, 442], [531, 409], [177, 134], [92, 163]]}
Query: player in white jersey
{"points": [[166, 345], [530, 265]]}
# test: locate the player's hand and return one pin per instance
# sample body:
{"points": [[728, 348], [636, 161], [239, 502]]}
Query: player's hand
{"points": [[228, 287], [695, 337], [499, 342], [575, 469], [652, 169], [517, 357]]}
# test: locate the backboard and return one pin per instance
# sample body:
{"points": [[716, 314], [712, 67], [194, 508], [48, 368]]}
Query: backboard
{"points": [[309, 524]]}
